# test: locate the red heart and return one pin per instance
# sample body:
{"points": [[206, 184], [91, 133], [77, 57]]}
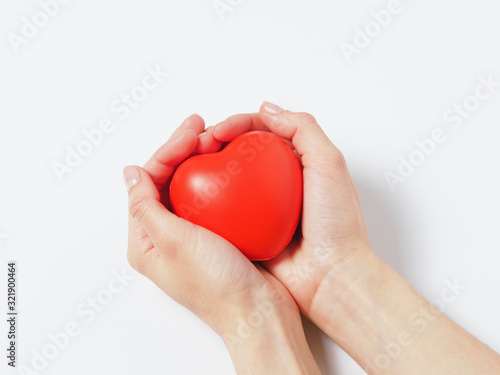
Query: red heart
{"points": [[250, 193]]}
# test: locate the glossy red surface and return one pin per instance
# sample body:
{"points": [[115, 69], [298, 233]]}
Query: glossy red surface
{"points": [[250, 193]]}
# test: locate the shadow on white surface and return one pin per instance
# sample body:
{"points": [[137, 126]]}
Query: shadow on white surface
{"points": [[318, 348], [383, 223]]}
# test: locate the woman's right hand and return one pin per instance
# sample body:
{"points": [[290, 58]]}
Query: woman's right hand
{"points": [[337, 280], [332, 241]]}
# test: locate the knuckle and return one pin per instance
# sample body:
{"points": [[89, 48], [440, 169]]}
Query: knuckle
{"points": [[306, 118], [338, 159], [139, 208], [330, 159]]}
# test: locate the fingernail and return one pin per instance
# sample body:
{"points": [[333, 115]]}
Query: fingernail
{"points": [[205, 133], [131, 176], [216, 133], [272, 108]]}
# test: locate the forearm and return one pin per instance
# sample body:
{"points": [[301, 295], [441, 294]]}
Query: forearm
{"points": [[389, 328], [268, 341]]}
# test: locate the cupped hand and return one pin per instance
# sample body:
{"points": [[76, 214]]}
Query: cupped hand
{"points": [[194, 266], [332, 240]]}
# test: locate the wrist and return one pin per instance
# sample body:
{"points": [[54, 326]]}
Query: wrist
{"points": [[270, 339], [267, 337], [382, 322], [365, 307], [347, 287], [346, 301], [265, 316]]}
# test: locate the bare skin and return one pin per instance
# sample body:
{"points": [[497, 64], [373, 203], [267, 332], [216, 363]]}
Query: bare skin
{"points": [[329, 272]]}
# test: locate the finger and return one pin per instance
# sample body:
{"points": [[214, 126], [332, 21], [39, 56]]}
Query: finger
{"points": [[193, 122], [164, 161], [156, 165], [236, 125], [310, 141], [207, 143], [162, 226]]}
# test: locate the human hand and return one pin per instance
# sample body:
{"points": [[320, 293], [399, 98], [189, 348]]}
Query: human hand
{"points": [[339, 282], [204, 272], [332, 240]]}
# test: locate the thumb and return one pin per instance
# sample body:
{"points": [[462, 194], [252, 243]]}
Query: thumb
{"points": [[144, 203], [310, 141]]}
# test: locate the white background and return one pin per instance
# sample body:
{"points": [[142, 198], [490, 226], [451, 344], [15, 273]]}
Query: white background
{"points": [[68, 237]]}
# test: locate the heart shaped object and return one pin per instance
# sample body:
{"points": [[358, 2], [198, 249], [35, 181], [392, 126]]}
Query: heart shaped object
{"points": [[250, 193]]}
